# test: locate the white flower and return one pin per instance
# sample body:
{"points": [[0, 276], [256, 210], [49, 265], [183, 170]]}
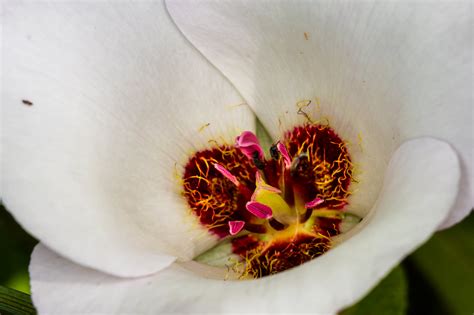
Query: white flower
{"points": [[103, 103]]}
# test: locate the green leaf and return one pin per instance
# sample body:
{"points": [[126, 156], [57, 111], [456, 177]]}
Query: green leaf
{"points": [[389, 297], [445, 264], [15, 302]]}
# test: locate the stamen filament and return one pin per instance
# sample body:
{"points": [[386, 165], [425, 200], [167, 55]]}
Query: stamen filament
{"points": [[326, 213], [274, 223], [255, 228]]}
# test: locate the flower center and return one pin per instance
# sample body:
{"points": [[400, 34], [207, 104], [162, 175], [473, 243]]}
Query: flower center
{"points": [[279, 211]]}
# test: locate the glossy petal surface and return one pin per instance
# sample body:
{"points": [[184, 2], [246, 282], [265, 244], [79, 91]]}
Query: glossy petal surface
{"points": [[119, 101]]}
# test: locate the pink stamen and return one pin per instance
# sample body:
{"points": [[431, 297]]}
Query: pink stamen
{"points": [[284, 152], [221, 169], [248, 143], [313, 203], [259, 209], [235, 227]]}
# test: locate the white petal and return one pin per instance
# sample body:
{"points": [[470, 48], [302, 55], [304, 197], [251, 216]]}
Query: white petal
{"points": [[387, 70], [93, 167], [414, 200]]}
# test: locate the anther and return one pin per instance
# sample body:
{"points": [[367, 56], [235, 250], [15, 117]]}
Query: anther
{"points": [[259, 209], [284, 152], [221, 169], [242, 188], [313, 203], [235, 227], [248, 143]]}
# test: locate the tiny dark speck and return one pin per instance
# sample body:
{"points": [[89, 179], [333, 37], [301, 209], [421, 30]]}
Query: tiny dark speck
{"points": [[26, 102]]}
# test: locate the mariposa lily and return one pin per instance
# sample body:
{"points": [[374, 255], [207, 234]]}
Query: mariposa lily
{"points": [[105, 104]]}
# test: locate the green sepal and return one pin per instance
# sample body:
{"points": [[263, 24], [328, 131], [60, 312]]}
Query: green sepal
{"points": [[15, 302]]}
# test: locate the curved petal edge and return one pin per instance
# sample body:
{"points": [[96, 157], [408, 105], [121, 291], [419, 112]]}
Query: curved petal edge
{"points": [[420, 187]]}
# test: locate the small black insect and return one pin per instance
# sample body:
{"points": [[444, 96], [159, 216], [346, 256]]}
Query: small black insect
{"points": [[274, 152], [26, 102], [256, 160], [299, 166]]}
